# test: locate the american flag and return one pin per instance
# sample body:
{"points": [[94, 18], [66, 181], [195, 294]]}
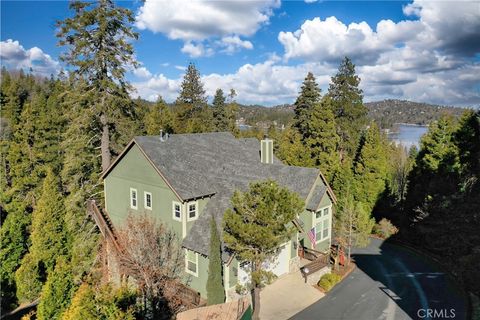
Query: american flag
{"points": [[312, 235]]}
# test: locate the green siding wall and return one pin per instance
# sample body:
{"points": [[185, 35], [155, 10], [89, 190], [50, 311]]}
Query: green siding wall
{"points": [[201, 203], [134, 171], [325, 202], [199, 283], [307, 218]]}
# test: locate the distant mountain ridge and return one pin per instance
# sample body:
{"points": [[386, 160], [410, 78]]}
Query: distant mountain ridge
{"points": [[386, 113]]}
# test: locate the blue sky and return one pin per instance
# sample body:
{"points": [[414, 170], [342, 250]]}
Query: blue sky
{"points": [[422, 50]]}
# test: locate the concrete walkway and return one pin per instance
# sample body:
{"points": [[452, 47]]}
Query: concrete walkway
{"points": [[287, 296]]}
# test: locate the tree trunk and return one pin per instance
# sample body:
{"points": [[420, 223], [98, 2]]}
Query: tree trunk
{"points": [[256, 303], [105, 143]]}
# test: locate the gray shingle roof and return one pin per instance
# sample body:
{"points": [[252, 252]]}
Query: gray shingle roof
{"points": [[317, 196], [216, 164]]}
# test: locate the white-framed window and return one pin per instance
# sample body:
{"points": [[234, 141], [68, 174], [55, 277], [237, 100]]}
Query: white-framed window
{"points": [[326, 229], [177, 211], [133, 198], [191, 263], [192, 211], [318, 230], [148, 200], [322, 224]]}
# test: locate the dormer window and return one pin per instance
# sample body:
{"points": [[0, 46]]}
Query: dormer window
{"points": [[192, 211]]}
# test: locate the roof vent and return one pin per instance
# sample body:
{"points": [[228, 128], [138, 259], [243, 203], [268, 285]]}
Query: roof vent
{"points": [[162, 136], [266, 151]]}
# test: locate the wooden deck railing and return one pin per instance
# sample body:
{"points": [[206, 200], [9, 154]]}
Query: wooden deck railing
{"points": [[103, 222], [319, 261], [313, 255]]}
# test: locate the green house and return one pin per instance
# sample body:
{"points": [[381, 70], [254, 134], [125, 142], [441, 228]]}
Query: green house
{"points": [[187, 179]]}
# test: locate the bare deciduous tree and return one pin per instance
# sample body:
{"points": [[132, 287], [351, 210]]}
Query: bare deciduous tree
{"points": [[151, 254]]}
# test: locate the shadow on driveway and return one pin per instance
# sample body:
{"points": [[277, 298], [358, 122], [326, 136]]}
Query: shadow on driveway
{"points": [[391, 282]]}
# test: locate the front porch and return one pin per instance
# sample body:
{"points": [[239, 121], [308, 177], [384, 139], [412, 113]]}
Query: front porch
{"points": [[291, 293]]}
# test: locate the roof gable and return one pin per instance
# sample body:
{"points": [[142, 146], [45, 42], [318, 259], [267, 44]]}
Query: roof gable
{"points": [[124, 153]]}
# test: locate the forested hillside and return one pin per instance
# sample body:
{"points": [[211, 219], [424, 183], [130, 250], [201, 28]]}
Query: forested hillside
{"points": [[51, 161], [255, 115], [385, 113], [388, 112]]}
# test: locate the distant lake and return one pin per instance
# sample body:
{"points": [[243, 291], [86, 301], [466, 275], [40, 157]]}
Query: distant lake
{"points": [[408, 135]]}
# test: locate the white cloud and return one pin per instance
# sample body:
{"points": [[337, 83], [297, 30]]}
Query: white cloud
{"points": [[330, 39], [232, 44], [13, 55], [202, 19], [267, 82], [196, 50], [272, 82], [157, 85], [142, 72], [451, 27], [430, 59], [197, 22]]}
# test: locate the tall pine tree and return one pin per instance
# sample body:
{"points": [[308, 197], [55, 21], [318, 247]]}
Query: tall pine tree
{"points": [[100, 50], [370, 168], [310, 94], [192, 112], [160, 117], [220, 116], [192, 92], [322, 140], [347, 102], [436, 161]]}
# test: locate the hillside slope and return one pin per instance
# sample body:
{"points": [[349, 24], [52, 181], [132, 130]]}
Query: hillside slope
{"points": [[386, 113]]}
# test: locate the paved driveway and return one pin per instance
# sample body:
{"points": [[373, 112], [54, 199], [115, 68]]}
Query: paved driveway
{"points": [[287, 296], [391, 282]]}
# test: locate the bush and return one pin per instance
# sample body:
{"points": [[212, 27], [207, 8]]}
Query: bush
{"points": [[57, 292], [328, 281], [241, 289], [28, 279], [384, 229], [106, 303]]}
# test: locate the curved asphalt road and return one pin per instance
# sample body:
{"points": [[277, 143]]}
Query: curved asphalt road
{"points": [[390, 282]]}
